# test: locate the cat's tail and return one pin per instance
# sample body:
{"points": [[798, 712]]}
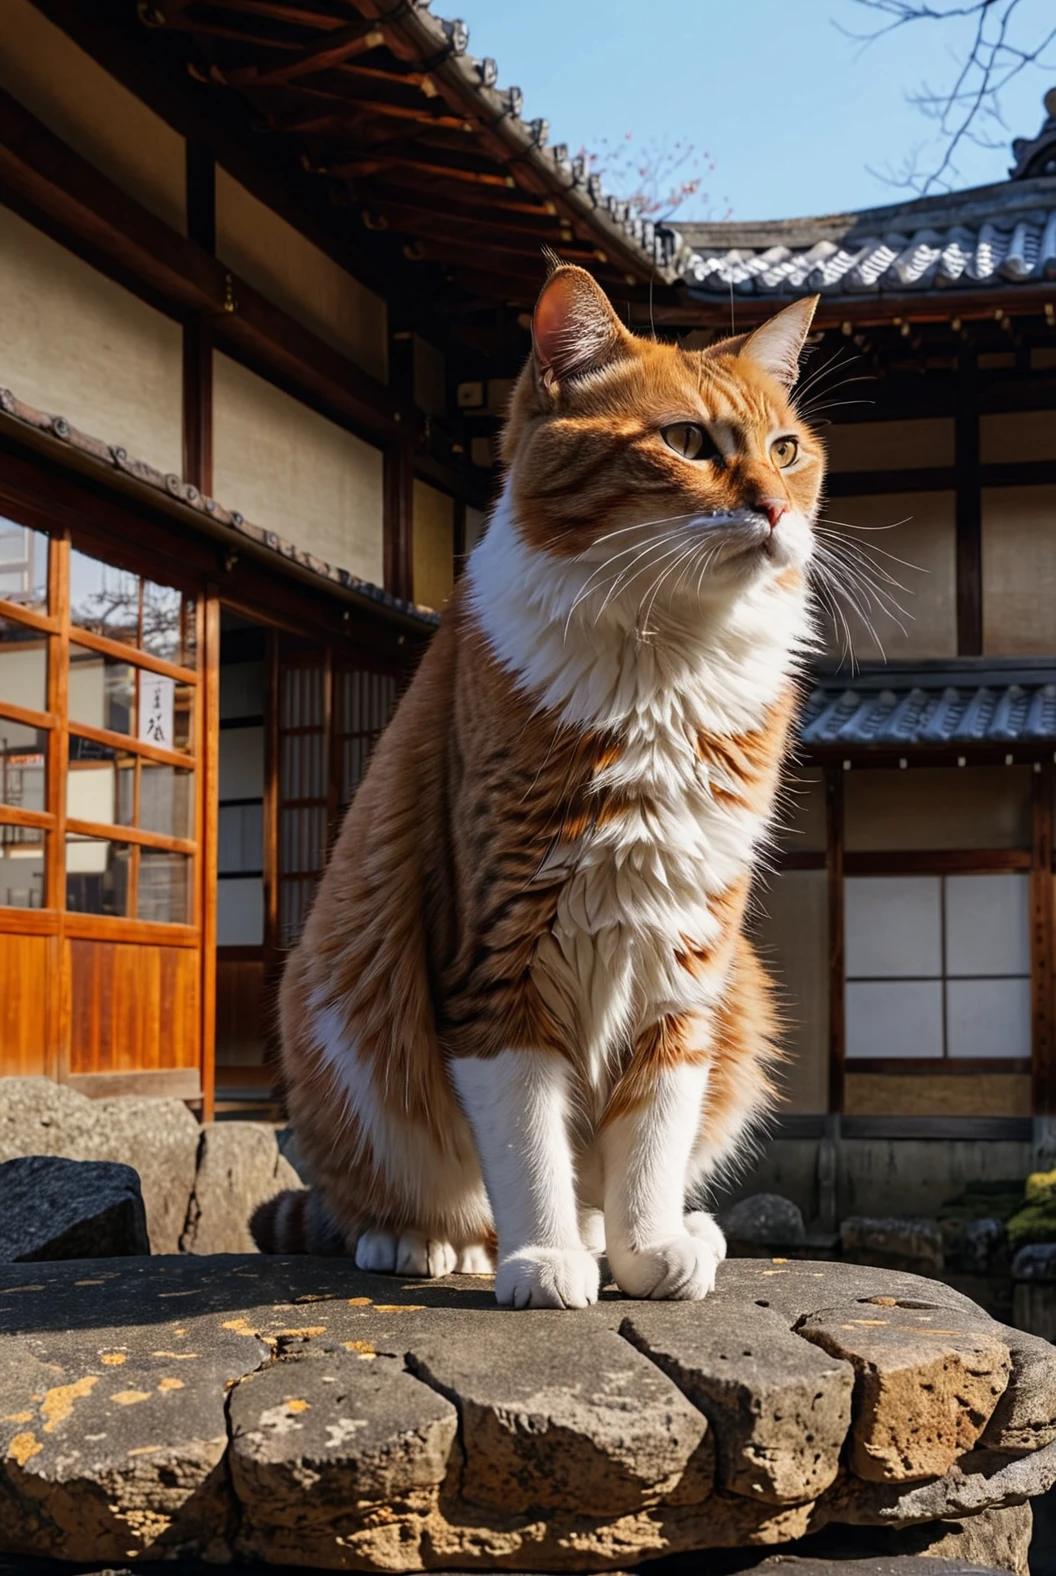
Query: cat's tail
{"points": [[296, 1221]]}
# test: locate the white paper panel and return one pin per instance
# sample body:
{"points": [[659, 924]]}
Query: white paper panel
{"points": [[893, 926], [240, 840], [240, 912], [988, 1018], [894, 1018], [988, 924], [242, 763]]}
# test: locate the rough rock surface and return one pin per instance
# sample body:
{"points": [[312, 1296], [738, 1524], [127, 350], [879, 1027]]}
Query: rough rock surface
{"points": [[927, 1383], [298, 1411], [239, 1167], [911, 1244], [157, 1138], [780, 1415], [766, 1218], [69, 1209]]}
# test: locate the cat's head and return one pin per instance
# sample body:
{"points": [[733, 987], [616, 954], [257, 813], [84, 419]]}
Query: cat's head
{"points": [[641, 459]]}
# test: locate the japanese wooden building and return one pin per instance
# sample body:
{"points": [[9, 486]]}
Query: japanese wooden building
{"points": [[266, 272], [258, 264]]}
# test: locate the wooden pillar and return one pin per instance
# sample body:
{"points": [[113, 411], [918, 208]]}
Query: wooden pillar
{"points": [[399, 473], [1042, 958], [209, 799], [197, 335], [834, 868], [57, 1008], [968, 509]]}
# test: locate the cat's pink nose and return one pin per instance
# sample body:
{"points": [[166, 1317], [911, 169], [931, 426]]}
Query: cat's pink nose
{"points": [[773, 508]]}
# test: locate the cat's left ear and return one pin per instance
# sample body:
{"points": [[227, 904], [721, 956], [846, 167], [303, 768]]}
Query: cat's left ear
{"points": [[574, 329], [778, 344]]}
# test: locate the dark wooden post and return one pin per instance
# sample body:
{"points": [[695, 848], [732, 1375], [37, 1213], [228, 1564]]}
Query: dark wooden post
{"points": [[968, 507], [834, 867], [1042, 961], [399, 472], [197, 336]]}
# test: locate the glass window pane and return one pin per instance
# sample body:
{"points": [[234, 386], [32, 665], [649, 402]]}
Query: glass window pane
{"points": [[164, 887], [988, 924], [102, 690], [103, 598], [23, 665], [99, 783], [97, 876], [988, 1018], [21, 867], [23, 565], [893, 927], [22, 766], [165, 800], [894, 1018], [116, 603], [239, 912]]}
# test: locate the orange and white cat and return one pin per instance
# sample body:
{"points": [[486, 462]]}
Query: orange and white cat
{"points": [[524, 1021]]}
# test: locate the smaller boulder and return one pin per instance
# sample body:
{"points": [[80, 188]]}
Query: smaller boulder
{"points": [[979, 1247], [70, 1209], [1035, 1262], [910, 1243], [239, 1168], [764, 1218]]}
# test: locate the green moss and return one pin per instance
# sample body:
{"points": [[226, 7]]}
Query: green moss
{"points": [[998, 1200], [1035, 1222], [1040, 1184]]}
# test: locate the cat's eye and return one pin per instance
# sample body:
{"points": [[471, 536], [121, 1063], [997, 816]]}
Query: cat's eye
{"points": [[784, 452], [689, 441]]}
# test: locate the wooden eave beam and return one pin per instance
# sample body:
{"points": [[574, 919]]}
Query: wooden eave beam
{"points": [[342, 44], [411, 38], [42, 170], [867, 311]]}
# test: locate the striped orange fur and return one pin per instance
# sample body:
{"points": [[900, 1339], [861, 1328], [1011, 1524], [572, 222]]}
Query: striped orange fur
{"points": [[524, 1002]]}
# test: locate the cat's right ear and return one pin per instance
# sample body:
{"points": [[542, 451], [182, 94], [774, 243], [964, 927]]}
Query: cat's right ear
{"points": [[574, 329]]}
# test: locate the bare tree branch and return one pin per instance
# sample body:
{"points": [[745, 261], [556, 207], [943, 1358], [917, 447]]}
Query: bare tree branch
{"points": [[995, 55]]}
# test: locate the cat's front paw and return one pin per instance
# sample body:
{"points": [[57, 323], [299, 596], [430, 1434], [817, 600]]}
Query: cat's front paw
{"points": [[681, 1269], [547, 1278], [700, 1224]]}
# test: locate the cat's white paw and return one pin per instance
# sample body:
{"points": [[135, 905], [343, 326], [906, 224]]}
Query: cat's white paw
{"points": [[475, 1259], [700, 1224], [406, 1253], [681, 1269], [548, 1278]]}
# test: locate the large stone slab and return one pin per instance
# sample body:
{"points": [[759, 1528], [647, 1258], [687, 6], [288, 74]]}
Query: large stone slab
{"points": [[337, 1459], [157, 1138], [299, 1411], [927, 1383], [69, 1209], [780, 1408], [554, 1423], [239, 1167]]}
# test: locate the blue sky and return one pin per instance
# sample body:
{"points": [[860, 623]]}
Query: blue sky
{"points": [[792, 113]]}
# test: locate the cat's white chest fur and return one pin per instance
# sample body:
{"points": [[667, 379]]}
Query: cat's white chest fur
{"points": [[640, 885]]}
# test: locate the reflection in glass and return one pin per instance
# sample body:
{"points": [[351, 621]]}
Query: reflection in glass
{"points": [[99, 783], [21, 867], [23, 665], [102, 690], [97, 876], [164, 887], [23, 565], [118, 604], [22, 766], [165, 799]]}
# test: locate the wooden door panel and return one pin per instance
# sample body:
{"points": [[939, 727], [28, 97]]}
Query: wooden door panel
{"points": [[133, 1007], [24, 996]]}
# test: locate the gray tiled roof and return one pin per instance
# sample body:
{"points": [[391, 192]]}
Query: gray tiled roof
{"points": [[932, 706], [995, 235]]}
